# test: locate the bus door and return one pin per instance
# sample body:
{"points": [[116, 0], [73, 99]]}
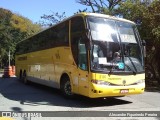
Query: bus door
{"points": [[79, 52], [80, 70], [82, 67]]}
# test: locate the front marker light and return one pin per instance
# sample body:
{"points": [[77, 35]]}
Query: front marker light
{"points": [[100, 82]]}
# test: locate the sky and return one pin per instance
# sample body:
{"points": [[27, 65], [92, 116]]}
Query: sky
{"points": [[34, 9]]}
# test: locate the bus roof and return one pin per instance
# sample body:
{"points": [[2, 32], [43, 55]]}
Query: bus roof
{"points": [[105, 16]]}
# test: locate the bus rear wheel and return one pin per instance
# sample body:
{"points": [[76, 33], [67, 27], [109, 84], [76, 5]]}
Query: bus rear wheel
{"points": [[66, 87]]}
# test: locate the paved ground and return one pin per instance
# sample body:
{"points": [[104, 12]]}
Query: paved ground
{"points": [[17, 97]]}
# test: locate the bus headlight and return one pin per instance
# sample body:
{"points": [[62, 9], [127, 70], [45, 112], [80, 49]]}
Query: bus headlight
{"points": [[140, 81], [100, 82]]}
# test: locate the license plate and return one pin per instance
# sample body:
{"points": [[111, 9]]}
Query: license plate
{"points": [[124, 91]]}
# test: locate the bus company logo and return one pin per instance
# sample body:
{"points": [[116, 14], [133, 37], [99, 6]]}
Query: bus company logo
{"points": [[124, 82]]}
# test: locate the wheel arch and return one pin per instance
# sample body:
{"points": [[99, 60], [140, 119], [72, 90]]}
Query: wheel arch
{"points": [[66, 74]]}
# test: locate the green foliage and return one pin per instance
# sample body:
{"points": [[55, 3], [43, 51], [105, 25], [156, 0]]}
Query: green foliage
{"points": [[154, 17], [24, 25], [13, 28]]}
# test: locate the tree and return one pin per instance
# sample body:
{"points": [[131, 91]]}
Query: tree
{"points": [[101, 6], [5, 16], [49, 20], [79, 11], [24, 25], [154, 24], [13, 28]]}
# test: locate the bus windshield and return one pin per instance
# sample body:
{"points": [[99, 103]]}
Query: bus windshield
{"points": [[115, 46]]}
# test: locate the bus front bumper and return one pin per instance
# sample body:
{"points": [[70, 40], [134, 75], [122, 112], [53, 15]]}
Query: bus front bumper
{"points": [[97, 91]]}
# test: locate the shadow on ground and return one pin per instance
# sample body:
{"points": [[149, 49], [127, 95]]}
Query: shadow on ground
{"points": [[35, 95]]}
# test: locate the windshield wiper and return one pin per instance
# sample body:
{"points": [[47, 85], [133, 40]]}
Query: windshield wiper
{"points": [[135, 70], [115, 64]]}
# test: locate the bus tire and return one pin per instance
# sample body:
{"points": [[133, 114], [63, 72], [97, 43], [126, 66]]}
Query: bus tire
{"points": [[65, 87], [25, 81]]}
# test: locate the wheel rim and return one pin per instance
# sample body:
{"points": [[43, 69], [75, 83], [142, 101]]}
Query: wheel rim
{"points": [[67, 88]]}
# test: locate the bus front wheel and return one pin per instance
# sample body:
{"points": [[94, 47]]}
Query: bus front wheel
{"points": [[66, 87]]}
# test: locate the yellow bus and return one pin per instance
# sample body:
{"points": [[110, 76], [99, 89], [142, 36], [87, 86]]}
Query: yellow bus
{"points": [[89, 54]]}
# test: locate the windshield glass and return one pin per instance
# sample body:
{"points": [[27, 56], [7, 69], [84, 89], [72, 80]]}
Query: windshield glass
{"points": [[115, 46]]}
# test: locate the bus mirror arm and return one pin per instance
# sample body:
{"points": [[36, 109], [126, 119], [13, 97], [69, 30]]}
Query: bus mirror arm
{"points": [[88, 34]]}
